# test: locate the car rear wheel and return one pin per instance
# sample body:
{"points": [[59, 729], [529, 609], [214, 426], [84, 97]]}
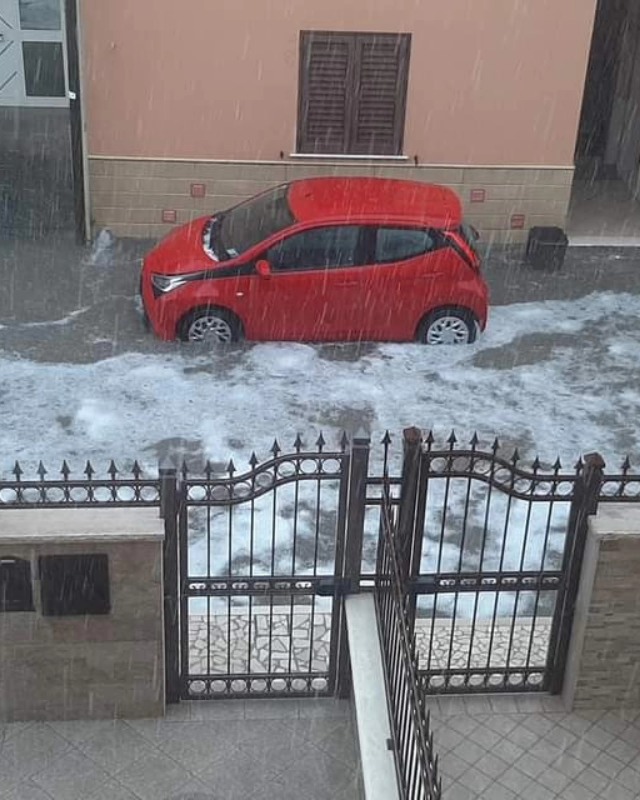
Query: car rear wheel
{"points": [[448, 326], [210, 326]]}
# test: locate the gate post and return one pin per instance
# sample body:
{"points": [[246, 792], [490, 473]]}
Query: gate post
{"points": [[411, 514], [349, 554], [168, 482], [583, 505]]}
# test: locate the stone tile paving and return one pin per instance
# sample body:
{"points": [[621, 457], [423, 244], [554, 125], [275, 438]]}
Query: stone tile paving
{"points": [[222, 750], [282, 642], [279, 643], [508, 747]]}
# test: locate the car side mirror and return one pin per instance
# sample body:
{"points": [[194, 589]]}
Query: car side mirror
{"points": [[263, 268]]}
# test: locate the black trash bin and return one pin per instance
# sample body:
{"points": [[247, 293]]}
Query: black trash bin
{"points": [[546, 247]]}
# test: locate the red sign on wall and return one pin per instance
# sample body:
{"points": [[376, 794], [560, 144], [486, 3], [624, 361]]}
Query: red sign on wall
{"points": [[517, 221], [477, 195], [169, 215], [198, 190]]}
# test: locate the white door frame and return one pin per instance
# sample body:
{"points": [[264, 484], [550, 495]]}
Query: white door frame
{"points": [[10, 26]]}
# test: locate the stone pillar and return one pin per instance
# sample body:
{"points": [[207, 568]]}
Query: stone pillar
{"points": [[100, 653], [603, 668]]}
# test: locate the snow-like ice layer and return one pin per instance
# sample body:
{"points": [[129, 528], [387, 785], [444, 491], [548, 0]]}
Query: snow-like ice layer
{"points": [[579, 394], [552, 378]]}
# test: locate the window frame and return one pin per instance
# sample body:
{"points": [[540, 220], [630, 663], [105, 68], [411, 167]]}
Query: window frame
{"points": [[433, 233], [351, 107], [361, 249]]}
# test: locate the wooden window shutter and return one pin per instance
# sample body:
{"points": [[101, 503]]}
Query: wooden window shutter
{"points": [[352, 92], [382, 66], [326, 65]]}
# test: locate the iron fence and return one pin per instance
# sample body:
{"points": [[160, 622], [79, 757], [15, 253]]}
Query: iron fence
{"points": [[491, 547], [415, 759]]}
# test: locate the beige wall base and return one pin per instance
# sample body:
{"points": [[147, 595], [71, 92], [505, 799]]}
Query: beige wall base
{"points": [[94, 666], [603, 667], [128, 196]]}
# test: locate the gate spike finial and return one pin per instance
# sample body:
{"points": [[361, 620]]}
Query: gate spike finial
{"points": [[430, 439], [253, 461], [41, 471], [386, 439], [474, 440], [452, 439], [208, 469], [275, 448], [113, 470], [298, 443], [64, 470], [536, 464], [515, 457], [136, 470], [184, 469], [344, 441], [320, 442], [17, 470], [626, 465], [89, 471], [557, 465], [231, 467], [578, 465], [495, 446]]}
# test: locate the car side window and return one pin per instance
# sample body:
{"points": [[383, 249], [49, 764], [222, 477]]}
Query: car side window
{"points": [[320, 248], [399, 244]]}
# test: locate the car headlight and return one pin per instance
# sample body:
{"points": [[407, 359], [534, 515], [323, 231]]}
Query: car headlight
{"points": [[167, 283]]}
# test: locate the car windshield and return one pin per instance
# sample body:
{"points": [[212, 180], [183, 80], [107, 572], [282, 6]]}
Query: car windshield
{"points": [[254, 221]]}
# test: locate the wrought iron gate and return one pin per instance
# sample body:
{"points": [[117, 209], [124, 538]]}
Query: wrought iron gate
{"points": [[263, 560], [494, 552]]}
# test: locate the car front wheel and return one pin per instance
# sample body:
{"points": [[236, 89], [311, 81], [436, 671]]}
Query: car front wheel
{"points": [[448, 326], [210, 326]]}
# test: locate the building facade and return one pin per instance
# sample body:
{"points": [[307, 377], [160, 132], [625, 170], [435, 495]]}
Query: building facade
{"points": [[181, 110], [191, 109]]}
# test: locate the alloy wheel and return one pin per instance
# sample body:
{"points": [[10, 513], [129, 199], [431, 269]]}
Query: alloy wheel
{"points": [[448, 330]]}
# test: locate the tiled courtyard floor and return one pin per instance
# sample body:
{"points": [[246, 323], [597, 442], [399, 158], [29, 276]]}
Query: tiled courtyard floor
{"points": [[528, 747], [223, 750]]}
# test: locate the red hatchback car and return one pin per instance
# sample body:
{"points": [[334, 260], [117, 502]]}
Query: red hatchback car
{"points": [[324, 259]]}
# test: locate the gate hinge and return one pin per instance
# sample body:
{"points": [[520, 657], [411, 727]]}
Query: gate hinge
{"points": [[328, 587]]}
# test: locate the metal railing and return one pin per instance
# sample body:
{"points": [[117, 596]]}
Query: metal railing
{"points": [[412, 739]]}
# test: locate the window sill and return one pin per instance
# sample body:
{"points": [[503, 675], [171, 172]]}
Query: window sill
{"points": [[347, 157]]}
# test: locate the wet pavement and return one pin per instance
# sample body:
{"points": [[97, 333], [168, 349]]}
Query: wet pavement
{"points": [[81, 377], [60, 301]]}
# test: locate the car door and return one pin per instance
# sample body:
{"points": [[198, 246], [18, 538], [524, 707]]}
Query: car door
{"points": [[398, 285], [310, 284]]}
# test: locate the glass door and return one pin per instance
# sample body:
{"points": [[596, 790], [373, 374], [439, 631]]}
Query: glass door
{"points": [[32, 53]]}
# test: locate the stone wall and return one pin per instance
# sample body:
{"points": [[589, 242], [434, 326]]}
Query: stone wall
{"points": [[89, 666], [130, 196], [603, 669]]}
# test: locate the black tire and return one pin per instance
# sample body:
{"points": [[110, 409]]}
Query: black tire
{"points": [[224, 326], [461, 326]]}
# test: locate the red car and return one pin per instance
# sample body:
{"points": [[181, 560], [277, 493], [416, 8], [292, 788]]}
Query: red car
{"points": [[324, 259]]}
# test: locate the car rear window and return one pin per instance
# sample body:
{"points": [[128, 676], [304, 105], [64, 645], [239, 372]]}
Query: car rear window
{"points": [[399, 244]]}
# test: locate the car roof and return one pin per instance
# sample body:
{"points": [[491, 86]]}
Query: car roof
{"points": [[374, 199]]}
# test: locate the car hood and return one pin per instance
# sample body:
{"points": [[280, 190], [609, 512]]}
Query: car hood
{"points": [[181, 251]]}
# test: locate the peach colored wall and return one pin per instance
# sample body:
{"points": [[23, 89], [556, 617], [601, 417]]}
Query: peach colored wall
{"points": [[491, 81]]}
